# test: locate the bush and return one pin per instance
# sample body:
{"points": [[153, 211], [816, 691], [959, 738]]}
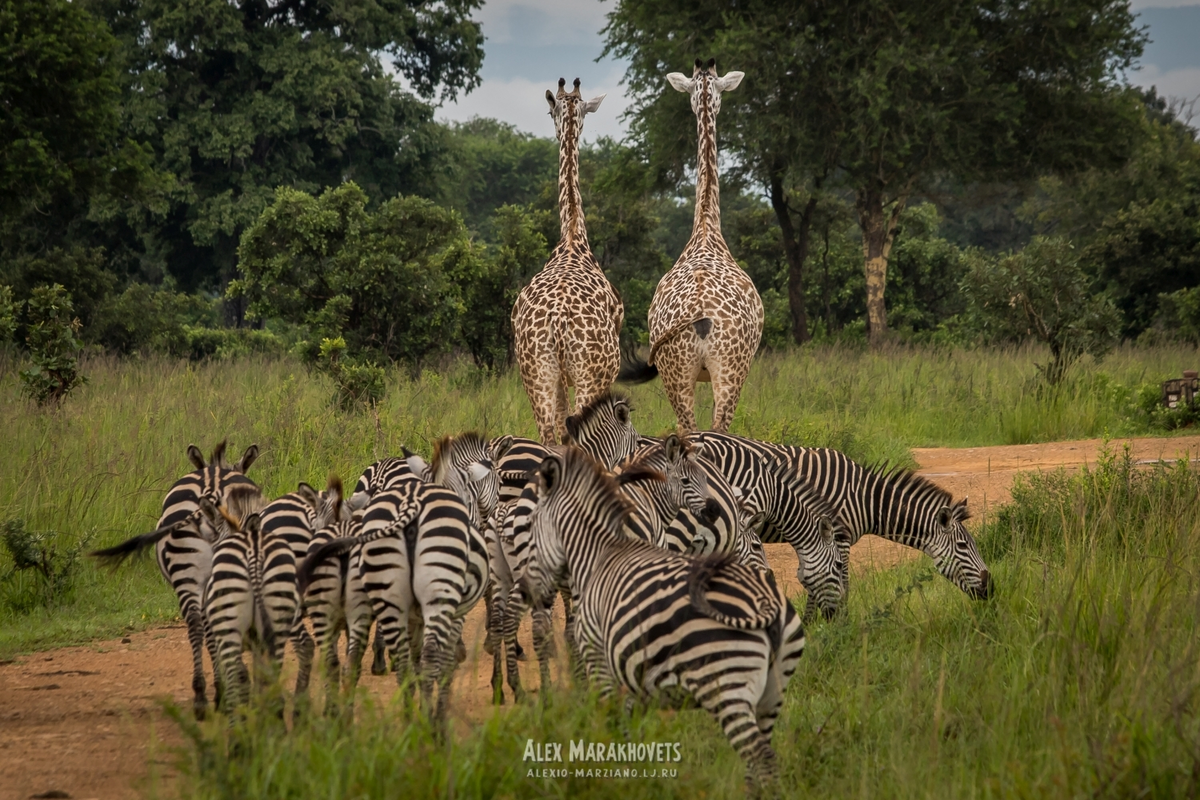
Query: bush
{"points": [[8, 315], [359, 385], [145, 319], [53, 346], [223, 343], [80, 271], [1042, 293], [39, 554]]}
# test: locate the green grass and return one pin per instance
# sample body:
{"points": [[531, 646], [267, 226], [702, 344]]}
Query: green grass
{"points": [[99, 467], [1080, 678]]}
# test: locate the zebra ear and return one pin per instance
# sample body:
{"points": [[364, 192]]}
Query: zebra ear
{"points": [[252, 524], [195, 456], [477, 472], [698, 449], [500, 447], [248, 458], [572, 424], [671, 448], [210, 512], [548, 474], [945, 516], [419, 466], [358, 501], [621, 409], [309, 494], [826, 530], [754, 522]]}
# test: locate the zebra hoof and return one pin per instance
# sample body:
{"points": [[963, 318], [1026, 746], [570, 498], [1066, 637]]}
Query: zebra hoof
{"points": [[379, 667], [460, 652], [200, 711]]}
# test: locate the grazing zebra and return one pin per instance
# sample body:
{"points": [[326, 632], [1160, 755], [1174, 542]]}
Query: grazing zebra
{"points": [[294, 518], [250, 598], [664, 626], [748, 547], [421, 561], [183, 542], [801, 515], [895, 504], [657, 504]]}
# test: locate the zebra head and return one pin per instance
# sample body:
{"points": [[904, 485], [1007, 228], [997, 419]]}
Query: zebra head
{"points": [[466, 465], [954, 552], [386, 474], [747, 544], [217, 459], [579, 510], [241, 502], [603, 429]]}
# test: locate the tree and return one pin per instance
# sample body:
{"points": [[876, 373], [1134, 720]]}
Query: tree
{"points": [[241, 96], [1042, 293], [880, 95], [390, 282], [60, 93], [53, 344]]}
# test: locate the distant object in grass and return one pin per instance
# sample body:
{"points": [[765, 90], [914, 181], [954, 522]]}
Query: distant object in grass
{"points": [[1179, 392], [38, 553]]}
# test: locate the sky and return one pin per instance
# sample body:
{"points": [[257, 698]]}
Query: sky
{"points": [[530, 44]]}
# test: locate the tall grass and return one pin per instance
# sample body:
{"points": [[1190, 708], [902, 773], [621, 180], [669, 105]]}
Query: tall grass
{"points": [[1081, 678], [100, 466]]}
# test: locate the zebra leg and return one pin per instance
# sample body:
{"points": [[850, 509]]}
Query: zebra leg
{"points": [[196, 638], [737, 719], [543, 645], [379, 658], [511, 613], [328, 642], [495, 635], [304, 646], [438, 660], [214, 656]]}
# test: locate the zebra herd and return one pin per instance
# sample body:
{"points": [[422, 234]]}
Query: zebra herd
{"points": [[654, 545]]}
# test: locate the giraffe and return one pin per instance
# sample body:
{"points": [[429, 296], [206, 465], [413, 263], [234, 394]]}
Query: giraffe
{"points": [[706, 317], [566, 322]]}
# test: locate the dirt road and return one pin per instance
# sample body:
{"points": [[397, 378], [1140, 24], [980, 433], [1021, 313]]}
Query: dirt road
{"points": [[86, 722]]}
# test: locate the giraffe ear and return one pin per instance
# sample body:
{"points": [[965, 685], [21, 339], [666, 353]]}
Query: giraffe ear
{"points": [[680, 82], [730, 81], [550, 99], [593, 104]]}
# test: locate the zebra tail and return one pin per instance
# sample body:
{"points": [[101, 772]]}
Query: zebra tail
{"points": [[634, 370], [333, 549], [702, 571], [114, 556]]}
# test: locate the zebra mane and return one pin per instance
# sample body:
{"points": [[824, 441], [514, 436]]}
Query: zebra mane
{"points": [[918, 485], [241, 500], [598, 403], [580, 468], [217, 458]]}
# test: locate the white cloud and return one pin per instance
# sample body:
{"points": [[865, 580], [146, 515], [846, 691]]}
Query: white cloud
{"points": [[522, 102], [1183, 83], [543, 22]]}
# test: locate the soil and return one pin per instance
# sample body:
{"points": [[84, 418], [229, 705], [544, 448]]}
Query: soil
{"points": [[87, 721]]}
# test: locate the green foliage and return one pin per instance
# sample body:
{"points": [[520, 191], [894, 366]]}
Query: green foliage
{"points": [[389, 282], [44, 555], [53, 346], [80, 271], [237, 99], [1043, 293], [225, 343], [8, 316], [144, 319], [360, 385], [1178, 317]]}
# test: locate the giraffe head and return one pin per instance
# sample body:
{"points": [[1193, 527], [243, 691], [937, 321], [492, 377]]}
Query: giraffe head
{"points": [[568, 110], [704, 83]]}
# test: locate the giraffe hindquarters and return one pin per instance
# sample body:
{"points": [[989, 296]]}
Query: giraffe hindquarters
{"points": [[680, 360], [544, 382], [730, 352], [591, 360]]}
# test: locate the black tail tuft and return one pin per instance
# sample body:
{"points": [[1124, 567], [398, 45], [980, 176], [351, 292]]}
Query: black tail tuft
{"points": [[634, 370], [116, 555]]}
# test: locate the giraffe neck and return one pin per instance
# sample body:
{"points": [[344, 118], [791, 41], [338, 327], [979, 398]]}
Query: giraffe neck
{"points": [[570, 202], [707, 222]]}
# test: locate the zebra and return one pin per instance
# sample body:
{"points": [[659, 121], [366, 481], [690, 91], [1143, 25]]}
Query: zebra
{"points": [[294, 518], [250, 597], [335, 601], [748, 547], [183, 541], [422, 561], [800, 515], [656, 505], [896, 504], [666, 627]]}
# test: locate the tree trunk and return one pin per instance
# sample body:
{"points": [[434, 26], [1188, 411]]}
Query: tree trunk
{"points": [[795, 247], [878, 226]]}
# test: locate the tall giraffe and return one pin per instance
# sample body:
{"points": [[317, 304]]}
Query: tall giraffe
{"points": [[706, 317], [566, 322]]}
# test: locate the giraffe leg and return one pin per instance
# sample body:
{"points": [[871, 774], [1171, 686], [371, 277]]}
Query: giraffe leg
{"points": [[678, 367], [560, 410], [543, 380], [727, 388]]}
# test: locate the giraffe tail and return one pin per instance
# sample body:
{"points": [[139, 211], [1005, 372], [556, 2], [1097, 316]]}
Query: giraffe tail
{"points": [[634, 370]]}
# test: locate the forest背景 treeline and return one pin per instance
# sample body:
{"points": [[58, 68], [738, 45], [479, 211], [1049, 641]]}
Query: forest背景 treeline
{"points": [[210, 177]]}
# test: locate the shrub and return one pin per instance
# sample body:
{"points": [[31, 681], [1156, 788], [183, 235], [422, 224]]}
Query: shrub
{"points": [[1042, 293], [145, 319], [222, 343], [359, 384], [8, 315], [53, 346], [38, 553]]}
